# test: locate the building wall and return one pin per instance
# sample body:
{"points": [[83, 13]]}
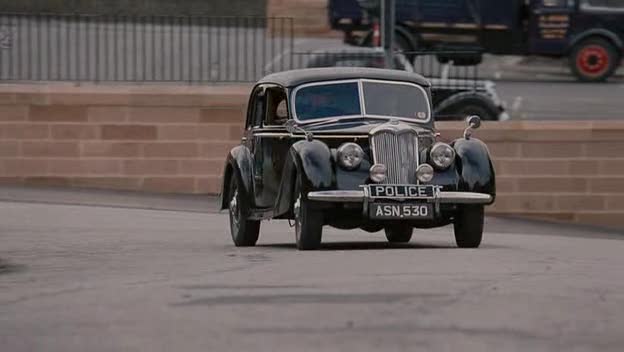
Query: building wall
{"points": [[143, 7], [174, 139]]}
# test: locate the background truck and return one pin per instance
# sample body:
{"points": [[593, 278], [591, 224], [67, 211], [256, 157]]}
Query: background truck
{"points": [[590, 33]]}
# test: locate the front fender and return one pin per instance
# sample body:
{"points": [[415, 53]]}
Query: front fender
{"points": [[310, 160], [474, 167], [597, 32], [238, 164], [314, 164]]}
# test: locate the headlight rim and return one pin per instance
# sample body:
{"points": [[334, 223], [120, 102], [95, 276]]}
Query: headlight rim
{"points": [[340, 152], [419, 170], [436, 146], [384, 173]]}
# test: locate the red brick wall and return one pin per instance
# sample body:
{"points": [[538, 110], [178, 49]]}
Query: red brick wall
{"points": [[174, 139]]}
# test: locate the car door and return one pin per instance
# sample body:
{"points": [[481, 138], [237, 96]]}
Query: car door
{"points": [[269, 145], [255, 114]]}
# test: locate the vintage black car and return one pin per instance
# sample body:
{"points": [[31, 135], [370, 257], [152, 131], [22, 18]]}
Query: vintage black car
{"points": [[353, 148]]}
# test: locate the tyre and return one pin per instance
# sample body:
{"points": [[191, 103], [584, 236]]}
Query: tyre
{"points": [[474, 109], [244, 232], [308, 221], [399, 233], [466, 107], [468, 226], [594, 60]]}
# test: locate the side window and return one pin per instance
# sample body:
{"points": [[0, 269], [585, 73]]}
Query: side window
{"points": [[277, 109], [257, 109]]}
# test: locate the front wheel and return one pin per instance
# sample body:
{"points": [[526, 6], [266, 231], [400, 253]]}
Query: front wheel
{"points": [[244, 232], [308, 222], [468, 226], [399, 233], [594, 60]]}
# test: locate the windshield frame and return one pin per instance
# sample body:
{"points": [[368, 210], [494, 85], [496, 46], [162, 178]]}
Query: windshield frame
{"points": [[363, 114]]}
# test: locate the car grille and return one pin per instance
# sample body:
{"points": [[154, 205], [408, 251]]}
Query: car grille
{"points": [[398, 150]]}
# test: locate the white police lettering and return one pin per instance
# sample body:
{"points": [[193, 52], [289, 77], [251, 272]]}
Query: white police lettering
{"points": [[379, 190], [379, 212], [401, 191]]}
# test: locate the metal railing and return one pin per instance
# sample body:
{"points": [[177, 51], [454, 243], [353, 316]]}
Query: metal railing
{"points": [[104, 48]]}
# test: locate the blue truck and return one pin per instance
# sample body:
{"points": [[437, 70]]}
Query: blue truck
{"points": [[590, 33]]}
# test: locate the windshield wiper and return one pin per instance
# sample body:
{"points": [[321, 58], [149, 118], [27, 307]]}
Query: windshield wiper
{"points": [[340, 119]]}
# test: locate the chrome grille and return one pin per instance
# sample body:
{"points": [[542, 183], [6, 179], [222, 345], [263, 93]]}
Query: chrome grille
{"points": [[398, 150]]}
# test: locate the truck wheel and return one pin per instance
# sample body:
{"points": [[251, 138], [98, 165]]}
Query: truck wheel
{"points": [[308, 222], [244, 232], [399, 233], [594, 60], [468, 226]]}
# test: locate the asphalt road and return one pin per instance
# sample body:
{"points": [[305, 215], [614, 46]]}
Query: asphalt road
{"points": [[78, 278]]}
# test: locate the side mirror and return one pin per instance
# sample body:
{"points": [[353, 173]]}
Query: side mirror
{"points": [[474, 122]]}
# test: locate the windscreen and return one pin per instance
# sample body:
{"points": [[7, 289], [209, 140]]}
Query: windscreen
{"points": [[328, 100], [395, 100]]}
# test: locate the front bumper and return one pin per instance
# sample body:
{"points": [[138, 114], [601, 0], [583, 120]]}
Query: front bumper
{"points": [[439, 198]]}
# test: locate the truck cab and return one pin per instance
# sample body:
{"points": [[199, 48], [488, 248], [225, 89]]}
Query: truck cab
{"points": [[589, 32]]}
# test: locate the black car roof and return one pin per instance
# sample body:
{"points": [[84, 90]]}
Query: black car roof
{"points": [[308, 75]]}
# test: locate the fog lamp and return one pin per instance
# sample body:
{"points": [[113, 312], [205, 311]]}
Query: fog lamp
{"points": [[378, 173], [424, 173]]}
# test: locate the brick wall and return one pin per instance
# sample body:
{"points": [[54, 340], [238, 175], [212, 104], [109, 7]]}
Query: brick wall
{"points": [[174, 139], [310, 16], [154, 139]]}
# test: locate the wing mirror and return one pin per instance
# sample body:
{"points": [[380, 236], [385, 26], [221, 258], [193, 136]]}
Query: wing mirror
{"points": [[292, 127], [474, 122]]}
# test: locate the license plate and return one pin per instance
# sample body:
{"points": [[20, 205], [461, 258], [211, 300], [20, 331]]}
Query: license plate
{"points": [[391, 211], [401, 191]]}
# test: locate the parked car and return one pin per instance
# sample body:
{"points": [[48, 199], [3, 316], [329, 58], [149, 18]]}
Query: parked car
{"points": [[453, 97], [353, 148]]}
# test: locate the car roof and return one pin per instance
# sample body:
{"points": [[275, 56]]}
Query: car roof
{"points": [[297, 77]]}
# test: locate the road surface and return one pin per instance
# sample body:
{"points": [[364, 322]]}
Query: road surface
{"points": [[85, 278]]}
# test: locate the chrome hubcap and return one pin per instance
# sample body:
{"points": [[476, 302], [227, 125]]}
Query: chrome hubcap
{"points": [[234, 208], [297, 211]]}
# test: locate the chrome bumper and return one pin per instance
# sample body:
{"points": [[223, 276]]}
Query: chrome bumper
{"points": [[440, 197]]}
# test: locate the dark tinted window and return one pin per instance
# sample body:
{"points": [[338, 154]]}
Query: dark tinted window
{"points": [[396, 100], [327, 100]]}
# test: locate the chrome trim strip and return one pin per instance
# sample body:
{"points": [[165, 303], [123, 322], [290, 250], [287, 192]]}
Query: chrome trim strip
{"points": [[464, 198], [316, 136], [337, 196], [442, 197]]}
